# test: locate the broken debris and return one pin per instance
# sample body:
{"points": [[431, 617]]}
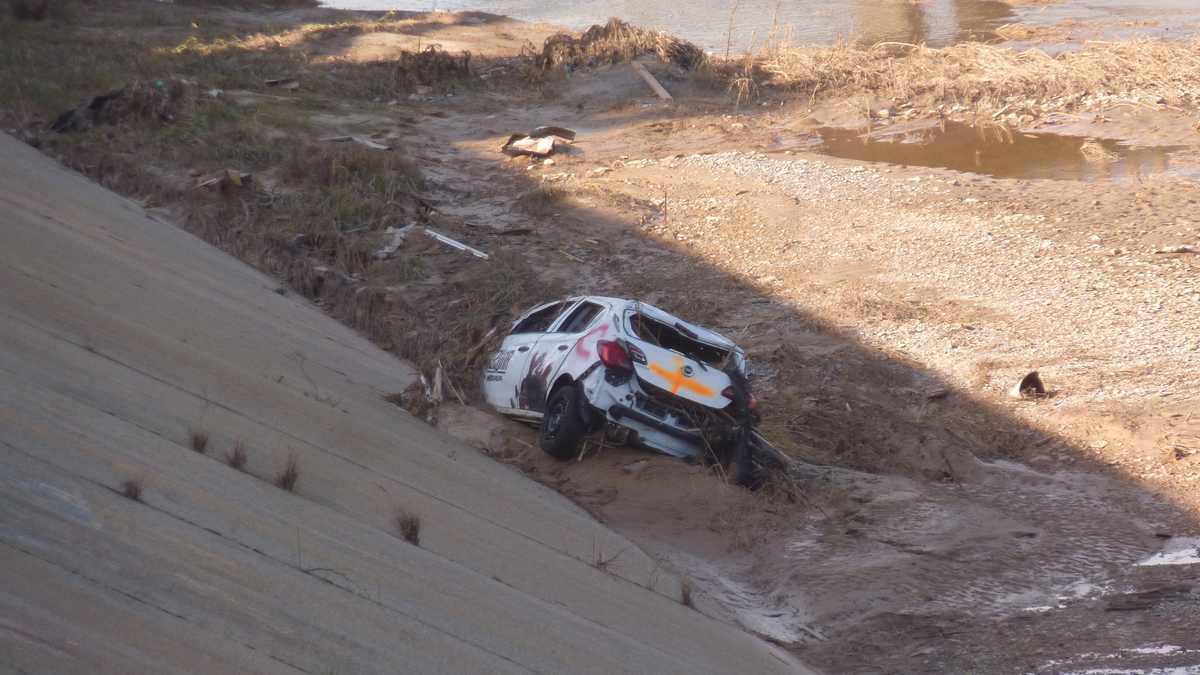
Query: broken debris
{"points": [[456, 244], [541, 142], [365, 142], [395, 239], [652, 81], [1030, 386], [634, 468], [225, 180], [288, 83], [1178, 249], [147, 100]]}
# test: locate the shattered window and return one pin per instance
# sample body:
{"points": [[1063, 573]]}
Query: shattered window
{"points": [[581, 318], [676, 338], [540, 320]]}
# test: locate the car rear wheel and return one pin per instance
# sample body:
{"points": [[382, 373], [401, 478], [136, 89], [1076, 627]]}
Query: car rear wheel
{"points": [[562, 427]]}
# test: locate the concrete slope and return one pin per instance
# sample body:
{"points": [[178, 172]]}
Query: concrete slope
{"points": [[120, 335]]}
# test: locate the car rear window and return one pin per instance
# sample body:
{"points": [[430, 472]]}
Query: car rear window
{"points": [[676, 338]]}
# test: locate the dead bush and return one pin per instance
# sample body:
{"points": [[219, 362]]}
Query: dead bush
{"points": [[286, 479], [685, 592], [132, 489], [237, 456], [199, 440], [541, 201], [409, 527], [617, 42]]}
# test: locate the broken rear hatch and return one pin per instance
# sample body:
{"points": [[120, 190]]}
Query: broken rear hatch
{"points": [[681, 359]]}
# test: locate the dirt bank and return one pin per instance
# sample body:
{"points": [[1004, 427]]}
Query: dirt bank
{"points": [[888, 308]]}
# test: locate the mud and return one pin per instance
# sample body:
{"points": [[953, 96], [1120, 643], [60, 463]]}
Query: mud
{"points": [[997, 151]]}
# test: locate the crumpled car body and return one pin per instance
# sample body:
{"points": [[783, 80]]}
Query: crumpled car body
{"points": [[635, 367]]}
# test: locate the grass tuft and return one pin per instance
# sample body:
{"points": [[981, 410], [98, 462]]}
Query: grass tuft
{"points": [[541, 201], [409, 527], [286, 479], [199, 440], [132, 489], [237, 456]]}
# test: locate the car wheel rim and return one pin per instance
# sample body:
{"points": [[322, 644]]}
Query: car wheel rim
{"points": [[554, 419]]}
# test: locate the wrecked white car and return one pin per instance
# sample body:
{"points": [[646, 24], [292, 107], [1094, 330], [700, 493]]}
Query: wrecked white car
{"points": [[591, 364]]}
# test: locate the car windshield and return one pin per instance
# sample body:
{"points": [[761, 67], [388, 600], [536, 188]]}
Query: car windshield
{"points": [[677, 338]]}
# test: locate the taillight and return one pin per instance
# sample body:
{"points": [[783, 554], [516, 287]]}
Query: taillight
{"points": [[636, 354], [613, 355]]}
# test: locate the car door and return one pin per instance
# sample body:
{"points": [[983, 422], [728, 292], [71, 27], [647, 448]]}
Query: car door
{"points": [[567, 347], [505, 377]]}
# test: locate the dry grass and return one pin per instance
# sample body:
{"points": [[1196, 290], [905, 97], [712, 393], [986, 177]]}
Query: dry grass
{"points": [[541, 201], [409, 527], [287, 478], [132, 489], [983, 76], [237, 456], [685, 592], [198, 440], [617, 42]]}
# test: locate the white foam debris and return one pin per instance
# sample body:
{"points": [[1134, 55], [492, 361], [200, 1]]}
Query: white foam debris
{"points": [[1154, 649], [1175, 670], [1037, 610], [1178, 551]]}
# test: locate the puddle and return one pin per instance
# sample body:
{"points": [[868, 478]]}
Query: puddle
{"points": [[935, 22], [998, 152]]}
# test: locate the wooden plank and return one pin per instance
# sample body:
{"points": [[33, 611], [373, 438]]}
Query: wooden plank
{"points": [[650, 80]]}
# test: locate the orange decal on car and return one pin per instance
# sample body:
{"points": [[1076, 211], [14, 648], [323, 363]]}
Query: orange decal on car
{"points": [[678, 380]]}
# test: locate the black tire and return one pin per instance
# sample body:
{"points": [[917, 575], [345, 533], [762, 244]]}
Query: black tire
{"points": [[562, 429], [753, 465]]}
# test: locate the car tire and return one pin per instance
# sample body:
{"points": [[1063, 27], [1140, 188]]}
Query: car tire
{"points": [[747, 464], [562, 428]]}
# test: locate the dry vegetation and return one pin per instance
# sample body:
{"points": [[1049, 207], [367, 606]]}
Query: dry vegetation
{"points": [[132, 489], [409, 527], [617, 42], [286, 479], [198, 440], [981, 76], [237, 456]]}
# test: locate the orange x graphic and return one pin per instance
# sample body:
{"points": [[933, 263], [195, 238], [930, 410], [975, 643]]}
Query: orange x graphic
{"points": [[678, 380]]}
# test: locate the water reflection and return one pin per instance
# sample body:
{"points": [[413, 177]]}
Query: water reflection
{"points": [[998, 151], [934, 23]]}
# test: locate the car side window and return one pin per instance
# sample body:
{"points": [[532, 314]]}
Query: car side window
{"points": [[580, 318], [540, 320]]}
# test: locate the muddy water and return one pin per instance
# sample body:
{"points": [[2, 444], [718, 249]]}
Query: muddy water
{"points": [[936, 22], [998, 152]]}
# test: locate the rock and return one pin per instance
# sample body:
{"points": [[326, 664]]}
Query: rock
{"points": [[634, 468], [1030, 386]]}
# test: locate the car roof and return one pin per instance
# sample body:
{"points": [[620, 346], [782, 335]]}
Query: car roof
{"points": [[704, 334]]}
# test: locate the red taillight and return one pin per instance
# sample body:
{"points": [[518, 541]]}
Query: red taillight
{"points": [[613, 355]]}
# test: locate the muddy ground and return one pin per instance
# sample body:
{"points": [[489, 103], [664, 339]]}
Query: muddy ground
{"points": [[888, 310]]}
